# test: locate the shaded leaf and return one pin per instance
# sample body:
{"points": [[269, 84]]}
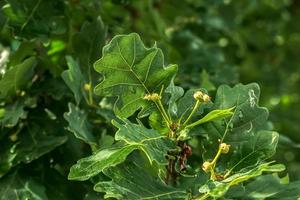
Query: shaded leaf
{"points": [[79, 125], [74, 78], [12, 114], [205, 81], [16, 78], [28, 145], [14, 187], [87, 43]]}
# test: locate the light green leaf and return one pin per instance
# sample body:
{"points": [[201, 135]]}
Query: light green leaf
{"points": [[218, 189], [126, 66], [79, 125], [150, 141], [96, 163], [132, 181], [16, 78], [14, 187], [213, 116], [74, 78]]}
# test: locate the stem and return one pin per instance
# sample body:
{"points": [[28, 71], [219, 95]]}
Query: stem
{"points": [[214, 162], [203, 197], [197, 104], [90, 95], [162, 113]]}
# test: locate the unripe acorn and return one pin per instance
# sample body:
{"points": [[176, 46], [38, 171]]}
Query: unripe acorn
{"points": [[152, 97], [87, 87], [198, 95], [207, 166], [206, 98], [224, 148]]}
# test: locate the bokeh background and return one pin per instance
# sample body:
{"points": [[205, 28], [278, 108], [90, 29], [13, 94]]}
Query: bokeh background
{"points": [[214, 42]]}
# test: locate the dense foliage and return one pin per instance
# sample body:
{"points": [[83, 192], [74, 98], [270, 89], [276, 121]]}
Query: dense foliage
{"points": [[83, 98]]}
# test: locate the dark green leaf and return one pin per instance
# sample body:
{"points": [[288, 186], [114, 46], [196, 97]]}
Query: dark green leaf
{"points": [[14, 187], [79, 125], [131, 181], [74, 78], [16, 78]]}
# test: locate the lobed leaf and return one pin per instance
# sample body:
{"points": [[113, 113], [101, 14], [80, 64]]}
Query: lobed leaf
{"points": [[79, 125], [126, 67], [100, 160], [16, 78], [74, 78], [132, 181], [218, 189], [155, 145]]}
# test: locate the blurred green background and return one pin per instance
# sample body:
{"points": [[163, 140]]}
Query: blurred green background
{"points": [[214, 42]]}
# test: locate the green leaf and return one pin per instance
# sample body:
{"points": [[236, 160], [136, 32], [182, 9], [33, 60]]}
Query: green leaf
{"points": [[79, 125], [205, 81], [135, 136], [132, 181], [74, 78], [150, 141], [218, 189], [127, 66], [88, 42], [36, 144], [14, 187], [186, 103], [96, 163], [267, 187], [31, 143], [16, 78], [213, 116], [175, 93], [248, 115], [249, 146], [13, 113], [35, 18]]}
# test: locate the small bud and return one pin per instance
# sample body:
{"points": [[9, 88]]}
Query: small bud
{"points": [[198, 95], [206, 98], [152, 97], [13, 137], [224, 148], [87, 87], [207, 166], [22, 93]]}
